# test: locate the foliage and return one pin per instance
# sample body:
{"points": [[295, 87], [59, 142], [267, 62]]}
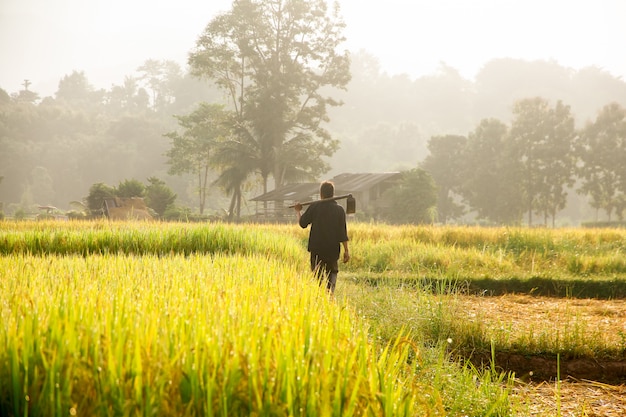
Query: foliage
{"points": [[491, 174], [444, 163], [542, 140], [275, 60], [20, 214], [130, 188], [412, 200], [161, 78], [192, 150], [81, 136], [159, 197], [178, 214], [504, 170], [75, 89], [602, 151], [97, 194]]}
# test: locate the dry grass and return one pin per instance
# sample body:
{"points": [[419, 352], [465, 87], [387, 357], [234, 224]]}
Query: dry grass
{"points": [[515, 316], [573, 399], [524, 314]]}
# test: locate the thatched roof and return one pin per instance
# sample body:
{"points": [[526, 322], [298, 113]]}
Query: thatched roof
{"points": [[126, 209]]}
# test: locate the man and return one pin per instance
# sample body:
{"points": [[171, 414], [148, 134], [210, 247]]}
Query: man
{"points": [[328, 233]]}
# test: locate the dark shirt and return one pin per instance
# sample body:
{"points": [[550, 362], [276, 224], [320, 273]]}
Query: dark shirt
{"points": [[328, 228]]}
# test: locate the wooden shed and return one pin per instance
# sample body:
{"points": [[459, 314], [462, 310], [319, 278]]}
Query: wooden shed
{"points": [[366, 188]]}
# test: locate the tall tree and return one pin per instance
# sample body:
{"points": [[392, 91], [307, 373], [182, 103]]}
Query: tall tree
{"points": [[558, 162], [274, 59], [192, 150], [231, 180], [529, 131], [543, 139], [602, 152], [491, 174], [74, 88], [444, 164], [160, 77], [127, 98]]}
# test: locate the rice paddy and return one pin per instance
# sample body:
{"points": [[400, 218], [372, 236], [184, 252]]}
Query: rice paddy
{"points": [[124, 318]]}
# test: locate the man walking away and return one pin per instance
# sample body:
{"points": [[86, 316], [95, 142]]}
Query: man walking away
{"points": [[328, 233]]}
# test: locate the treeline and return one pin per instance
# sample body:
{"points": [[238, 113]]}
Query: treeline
{"points": [[53, 149], [524, 142], [502, 171]]}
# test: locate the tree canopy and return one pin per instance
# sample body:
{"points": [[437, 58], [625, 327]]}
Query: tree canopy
{"points": [[602, 151], [275, 60]]}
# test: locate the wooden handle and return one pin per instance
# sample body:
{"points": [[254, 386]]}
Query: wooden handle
{"points": [[339, 197]]}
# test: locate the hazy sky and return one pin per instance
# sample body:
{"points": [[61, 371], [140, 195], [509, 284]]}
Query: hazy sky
{"points": [[43, 40]]}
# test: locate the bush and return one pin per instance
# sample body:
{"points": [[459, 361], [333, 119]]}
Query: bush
{"points": [[20, 214]]}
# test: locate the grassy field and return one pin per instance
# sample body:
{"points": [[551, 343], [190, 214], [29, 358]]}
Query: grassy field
{"points": [[175, 319]]}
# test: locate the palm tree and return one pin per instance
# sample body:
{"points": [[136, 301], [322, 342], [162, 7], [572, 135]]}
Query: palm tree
{"points": [[231, 180], [238, 158]]}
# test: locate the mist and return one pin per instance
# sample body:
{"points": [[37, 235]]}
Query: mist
{"points": [[42, 41], [418, 71]]}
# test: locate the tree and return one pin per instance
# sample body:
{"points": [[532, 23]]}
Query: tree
{"points": [[25, 95], [528, 133], [231, 180], [412, 200], [491, 174], [5, 98], [127, 98], [237, 158], [444, 164], [159, 197], [274, 59], [192, 150], [602, 152], [74, 88], [160, 78], [97, 194], [558, 162], [130, 188], [42, 185], [543, 140]]}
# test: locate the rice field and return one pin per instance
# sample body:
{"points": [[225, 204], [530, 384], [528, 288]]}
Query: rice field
{"points": [[125, 318], [157, 319]]}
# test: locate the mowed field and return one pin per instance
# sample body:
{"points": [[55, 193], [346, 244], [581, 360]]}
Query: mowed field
{"points": [[123, 318]]}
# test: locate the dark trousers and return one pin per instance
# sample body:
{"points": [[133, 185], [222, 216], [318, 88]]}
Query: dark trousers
{"points": [[326, 271]]}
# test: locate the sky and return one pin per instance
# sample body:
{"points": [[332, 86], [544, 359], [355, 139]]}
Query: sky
{"points": [[44, 40]]}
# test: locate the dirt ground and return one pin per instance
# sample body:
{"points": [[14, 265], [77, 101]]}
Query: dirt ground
{"points": [[588, 387]]}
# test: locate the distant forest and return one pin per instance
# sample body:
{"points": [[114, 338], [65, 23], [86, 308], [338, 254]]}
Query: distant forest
{"points": [[53, 149]]}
